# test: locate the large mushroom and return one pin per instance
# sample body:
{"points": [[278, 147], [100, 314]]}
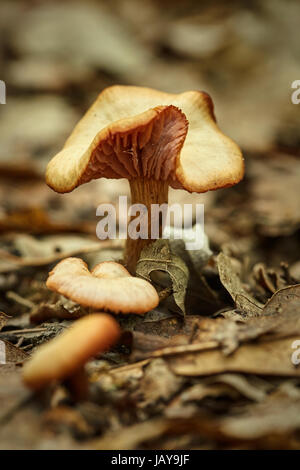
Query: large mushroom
{"points": [[155, 140]]}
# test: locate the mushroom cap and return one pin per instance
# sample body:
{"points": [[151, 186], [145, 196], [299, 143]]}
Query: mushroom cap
{"points": [[109, 286], [64, 355], [135, 132]]}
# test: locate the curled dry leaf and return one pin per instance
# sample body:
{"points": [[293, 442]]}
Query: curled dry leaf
{"points": [[233, 284], [283, 296], [268, 358], [278, 319], [158, 257]]}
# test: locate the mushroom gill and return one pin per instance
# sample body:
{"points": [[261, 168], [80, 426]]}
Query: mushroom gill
{"points": [[143, 147]]}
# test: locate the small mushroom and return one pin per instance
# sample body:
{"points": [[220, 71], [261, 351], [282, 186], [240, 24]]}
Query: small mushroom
{"points": [[155, 140], [63, 358], [109, 286]]}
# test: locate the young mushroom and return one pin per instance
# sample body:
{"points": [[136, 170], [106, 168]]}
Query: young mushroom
{"points": [[155, 140], [109, 286], [63, 358]]}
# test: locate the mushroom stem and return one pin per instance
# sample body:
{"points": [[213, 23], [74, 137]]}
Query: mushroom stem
{"points": [[146, 192], [78, 384]]}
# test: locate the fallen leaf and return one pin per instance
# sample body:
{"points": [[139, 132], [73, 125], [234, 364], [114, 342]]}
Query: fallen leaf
{"points": [[130, 437], [281, 298], [44, 312], [233, 284], [273, 417], [158, 383], [267, 358], [158, 257], [3, 319], [39, 252], [187, 402], [248, 388], [11, 353]]}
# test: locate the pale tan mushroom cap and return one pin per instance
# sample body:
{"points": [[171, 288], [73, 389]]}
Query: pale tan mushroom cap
{"points": [[134, 132], [67, 353], [108, 287]]}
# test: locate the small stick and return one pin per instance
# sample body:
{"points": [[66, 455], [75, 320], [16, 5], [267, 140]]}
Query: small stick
{"points": [[20, 300]]}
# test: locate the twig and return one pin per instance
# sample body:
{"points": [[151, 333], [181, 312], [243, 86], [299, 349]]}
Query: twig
{"points": [[20, 300]]}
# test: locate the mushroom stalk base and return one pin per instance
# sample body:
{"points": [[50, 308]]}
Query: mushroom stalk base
{"points": [[78, 385], [146, 192]]}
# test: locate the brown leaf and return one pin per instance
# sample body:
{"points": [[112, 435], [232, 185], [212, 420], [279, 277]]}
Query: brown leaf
{"points": [[187, 402], [47, 311], [281, 297], [11, 353], [158, 383], [158, 257], [130, 437], [280, 318], [268, 358], [40, 252], [276, 416], [3, 319], [230, 279]]}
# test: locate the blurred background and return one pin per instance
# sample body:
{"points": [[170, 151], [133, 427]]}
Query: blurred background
{"points": [[56, 56]]}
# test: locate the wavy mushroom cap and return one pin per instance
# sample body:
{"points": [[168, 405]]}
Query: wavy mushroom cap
{"points": [[63, 356], [134, 132], [109, 286]]}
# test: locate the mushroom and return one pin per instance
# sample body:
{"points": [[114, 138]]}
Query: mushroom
{"points": [[155, 140], [63, 358], [109, 286]]}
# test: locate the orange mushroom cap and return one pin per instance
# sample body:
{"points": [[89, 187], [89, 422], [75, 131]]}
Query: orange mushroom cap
{"points": [[134, 132], [109, 286], [63, 356]]}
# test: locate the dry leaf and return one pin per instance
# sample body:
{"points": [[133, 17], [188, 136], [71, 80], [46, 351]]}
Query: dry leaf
{"points": [[273, 417], [39, 252], [281, 298], [47, 311], [12, 353], [158, 383], [268, 358], [3, 319], [232, 283], [158, 257], [131, 437]]}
